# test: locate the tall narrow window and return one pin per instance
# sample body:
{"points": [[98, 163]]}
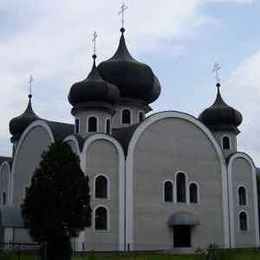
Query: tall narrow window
{"points": [[242, 196], [126, 116], [168, 191], [181, 187], [4, 198], [92, 124], [243, 221], [101, 219], [101, 187], [141, 116], [108, 126], [193, 193], [226, 143], [77, 126]]}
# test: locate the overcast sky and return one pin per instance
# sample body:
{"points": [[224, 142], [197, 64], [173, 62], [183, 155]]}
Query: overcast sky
{"points": [[180, 40]]}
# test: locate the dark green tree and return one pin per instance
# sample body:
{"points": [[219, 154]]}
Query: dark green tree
{"points": [[57, 203]]}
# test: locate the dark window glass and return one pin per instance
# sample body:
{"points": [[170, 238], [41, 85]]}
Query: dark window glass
{"points": [[193, 193], [101, 187], [243, 221], [226, 143], [242, 196], [141, 116], [77, 126], [168, 191], [126, 116], [108, 126], [92, 124], [181, 187], [101, 219], [4, 198]]}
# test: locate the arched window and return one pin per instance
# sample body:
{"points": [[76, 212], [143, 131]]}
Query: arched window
{"points": [[168, 191], [92, 124], [126, 116], [243, 221], [193, 193], [226, 143], [181, 187], [4, 198], [77, 126], [141, 116], [101, 187], [108, 126], [101, 222], [242, 196]]}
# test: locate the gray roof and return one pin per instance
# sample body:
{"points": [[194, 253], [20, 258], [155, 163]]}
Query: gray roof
{"points": [[124, 135], [183, 219], [11, 217], [60, 130]]}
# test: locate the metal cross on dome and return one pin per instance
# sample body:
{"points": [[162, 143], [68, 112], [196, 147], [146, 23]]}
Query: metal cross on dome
{"points": [[94, 40], [216, 69], [30, 85], [123, 8]]}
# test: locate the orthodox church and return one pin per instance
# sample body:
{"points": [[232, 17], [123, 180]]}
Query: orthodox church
{"points": [[165, 181]]}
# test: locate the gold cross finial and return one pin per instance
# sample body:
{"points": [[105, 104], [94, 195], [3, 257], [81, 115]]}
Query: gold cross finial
{"points": [[216, 69], [94, 40], [123, 8]]}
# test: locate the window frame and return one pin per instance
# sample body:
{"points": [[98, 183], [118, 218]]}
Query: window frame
{"points": [[108, 187], [198, 192], [187, 195], [77, 126], [130, 114], [247, 221], [4, 198], [238, 195], [229, 142], [163, 189], [139, 116], [97, 126], [108, 120], [94, 219]]}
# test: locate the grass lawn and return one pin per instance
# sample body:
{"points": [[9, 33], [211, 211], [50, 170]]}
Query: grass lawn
{"points": [[238, 254]]}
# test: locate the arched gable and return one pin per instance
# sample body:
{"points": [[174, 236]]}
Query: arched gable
{"points": [[34, 140], [121, 170], [130, 165], [232, 189], [73, 143]]}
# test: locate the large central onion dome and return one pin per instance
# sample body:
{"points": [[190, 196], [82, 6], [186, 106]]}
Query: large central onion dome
{"points": [[134, 79], [93, 89], [18, 124], [220, 116]]}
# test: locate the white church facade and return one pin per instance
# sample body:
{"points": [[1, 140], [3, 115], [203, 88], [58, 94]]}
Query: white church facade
{"points": [[164, 181]]}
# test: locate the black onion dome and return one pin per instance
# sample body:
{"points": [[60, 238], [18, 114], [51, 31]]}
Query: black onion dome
{"points": [[18, 124], [93, 88], [221, 116], [134, 79]]}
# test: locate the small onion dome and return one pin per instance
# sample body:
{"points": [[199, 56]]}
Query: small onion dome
{"points": [[93, 89], [18, 124], [221, 116], [134, 79]]}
